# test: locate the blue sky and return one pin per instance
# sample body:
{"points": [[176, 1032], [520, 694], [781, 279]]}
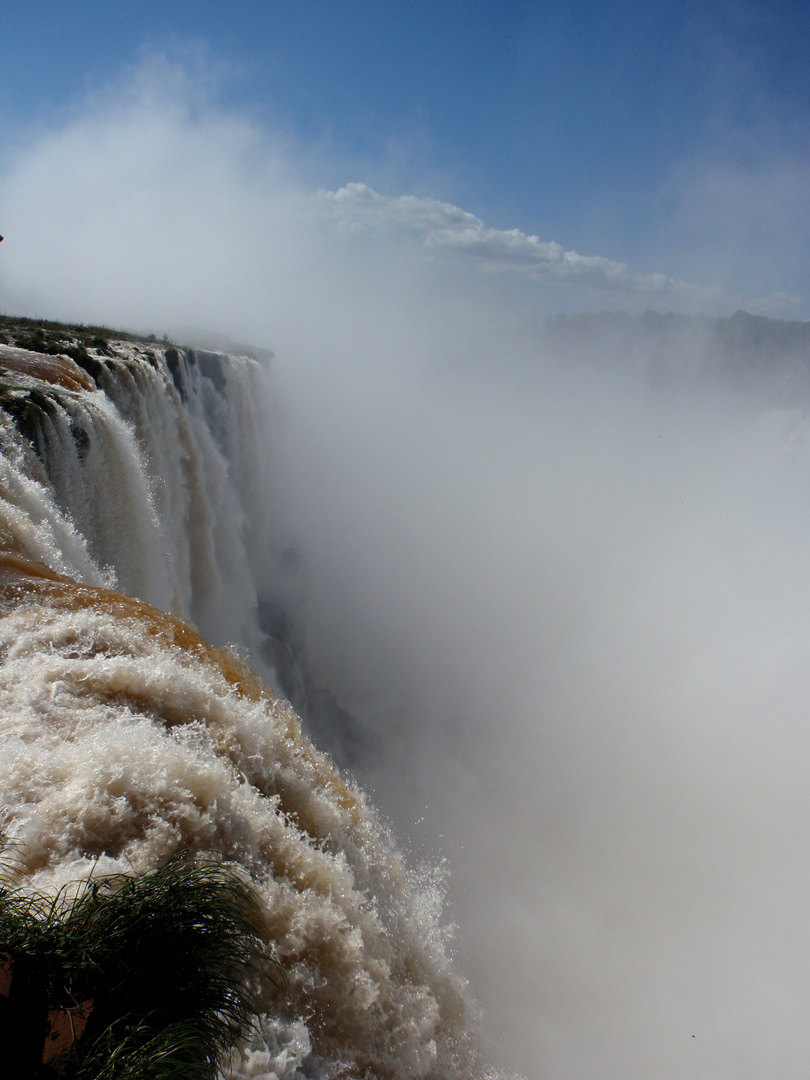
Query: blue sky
{"points": [[670, 137]]}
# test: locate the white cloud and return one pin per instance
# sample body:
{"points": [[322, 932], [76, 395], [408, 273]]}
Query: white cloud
{"points": [[441, 227]]}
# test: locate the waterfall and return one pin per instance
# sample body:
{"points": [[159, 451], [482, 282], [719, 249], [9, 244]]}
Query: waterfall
{"points": [[135, 534]]}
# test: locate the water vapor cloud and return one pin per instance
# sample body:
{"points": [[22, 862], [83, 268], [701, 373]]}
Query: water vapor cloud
{"points": [[445, 228]]}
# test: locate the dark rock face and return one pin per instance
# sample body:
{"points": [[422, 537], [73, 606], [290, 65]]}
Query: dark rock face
{"points": [[331, 727]]}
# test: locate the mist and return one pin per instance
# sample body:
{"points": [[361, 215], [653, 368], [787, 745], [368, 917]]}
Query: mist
{"points": [[565, 601], [574, 614]]}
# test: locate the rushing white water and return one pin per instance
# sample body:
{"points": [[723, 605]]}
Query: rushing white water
{"points": [[126, 738]]}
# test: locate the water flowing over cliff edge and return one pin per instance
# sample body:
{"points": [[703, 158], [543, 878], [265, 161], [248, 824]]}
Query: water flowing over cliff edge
{"points": [[133, 529]]}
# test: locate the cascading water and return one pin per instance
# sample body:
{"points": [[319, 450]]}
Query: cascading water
{"points": [[131, 499], [158, 474]]}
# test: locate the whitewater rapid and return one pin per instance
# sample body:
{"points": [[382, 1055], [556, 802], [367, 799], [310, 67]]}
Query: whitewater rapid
{"points": [[132, 517]]}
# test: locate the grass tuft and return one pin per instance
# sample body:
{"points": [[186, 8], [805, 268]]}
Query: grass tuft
{"points": [[150, 977]]}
